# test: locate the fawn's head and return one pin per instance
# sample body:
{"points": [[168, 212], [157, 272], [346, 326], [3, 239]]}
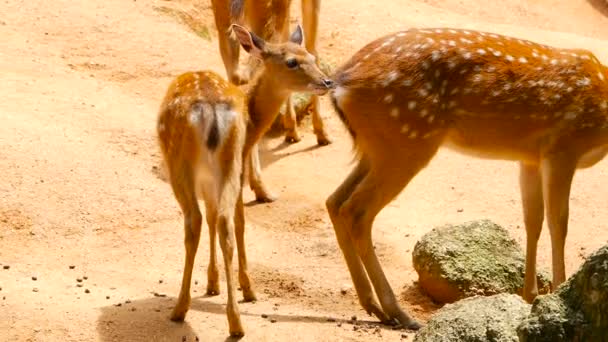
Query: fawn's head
{"points": [[294, 68]]}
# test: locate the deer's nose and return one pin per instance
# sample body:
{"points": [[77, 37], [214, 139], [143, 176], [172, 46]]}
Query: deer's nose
{"points": [[328, 83]]}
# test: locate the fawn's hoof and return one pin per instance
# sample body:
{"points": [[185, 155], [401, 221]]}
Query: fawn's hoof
{"points": [[323, 140], [213, 288], [292, 138], [178, 315], [266, 198], [249, 296]]}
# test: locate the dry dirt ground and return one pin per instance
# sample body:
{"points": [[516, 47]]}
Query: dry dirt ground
{"points": [[81, 197]]}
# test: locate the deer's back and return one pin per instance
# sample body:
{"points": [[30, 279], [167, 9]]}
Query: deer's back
{"points": [[200, 113], [480, 86]]}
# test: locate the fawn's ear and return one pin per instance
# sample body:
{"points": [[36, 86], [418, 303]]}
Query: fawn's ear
{"points": [[253, 44], [297, 36]]}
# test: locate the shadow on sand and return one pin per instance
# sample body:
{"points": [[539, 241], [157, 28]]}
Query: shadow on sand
{"points": [[148, 320]]}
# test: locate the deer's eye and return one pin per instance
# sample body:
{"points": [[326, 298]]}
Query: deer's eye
{"points": [[292, 63]]}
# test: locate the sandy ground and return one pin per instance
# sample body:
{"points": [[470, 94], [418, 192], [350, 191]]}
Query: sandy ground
{"points": [[81, 197]]}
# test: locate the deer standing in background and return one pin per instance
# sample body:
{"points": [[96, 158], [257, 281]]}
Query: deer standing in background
{"points": [[405, 95], [207, 127], [269, 19]]}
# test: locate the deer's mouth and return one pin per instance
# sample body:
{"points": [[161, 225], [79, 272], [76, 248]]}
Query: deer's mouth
{"points": [[318, 89]]}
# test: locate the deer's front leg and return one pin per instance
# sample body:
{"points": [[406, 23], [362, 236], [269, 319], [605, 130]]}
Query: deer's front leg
{"points": [[262, 194], [290, 123], [532, 201], [557, 173]]}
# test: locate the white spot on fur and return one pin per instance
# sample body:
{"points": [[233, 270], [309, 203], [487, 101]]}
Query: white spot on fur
{"points": [[510, 58], [411, 105], [413, 135], [424, 113], [340, 92], [394, 112], [454, 91], [426, 65], [451, 43], [466, 41], [407, 82], [388, 98], [390, 78], [522, 60], [600, 75], [585, 81], [481, 51], [405, 128], [423, 92], [435, 55]]}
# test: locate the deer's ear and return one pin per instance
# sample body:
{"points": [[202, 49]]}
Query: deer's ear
{"points": [[297, 36], [250, 42]]}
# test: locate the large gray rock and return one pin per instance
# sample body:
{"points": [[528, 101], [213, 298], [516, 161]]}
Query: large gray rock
{"points": [[473, 258], [478, 319], [577, 311]]}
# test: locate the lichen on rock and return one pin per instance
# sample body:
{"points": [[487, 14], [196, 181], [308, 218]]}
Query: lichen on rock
{"points": [[477, 319], [577, 311], [473, 258]]}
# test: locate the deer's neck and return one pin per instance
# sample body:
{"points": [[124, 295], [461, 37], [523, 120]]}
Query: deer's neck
{"points": [[264, 101]]}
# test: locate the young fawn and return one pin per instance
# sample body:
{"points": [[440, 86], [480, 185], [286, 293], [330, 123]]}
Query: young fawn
{"points": [[207, 127], [405, 95], [269, 19]]}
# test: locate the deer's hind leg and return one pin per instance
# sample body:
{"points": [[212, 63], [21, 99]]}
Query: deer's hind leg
{"points": [[355, 267], [244, 279], [385, 180], [532, 201], [213, 277], [228, 44], [182, 183], [229, 189], [310, 16]]}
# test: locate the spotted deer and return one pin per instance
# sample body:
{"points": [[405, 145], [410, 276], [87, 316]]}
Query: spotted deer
{"points": [[269, 19], [405, 95], [207, 127]]}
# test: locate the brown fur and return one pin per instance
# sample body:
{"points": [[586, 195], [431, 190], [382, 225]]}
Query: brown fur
{"points": [[269, 19], [406, 94], [207, 129]]}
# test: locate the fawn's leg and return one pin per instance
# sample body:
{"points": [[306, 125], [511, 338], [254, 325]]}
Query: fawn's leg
{"points": [[355, 267], [385, 180], [310, 20], [244, 281], [290, 123], [317, 123], [182, 182], [228, 198], [228, 44], [262, 194], [557, 173], [532, 201], [213, 277]]}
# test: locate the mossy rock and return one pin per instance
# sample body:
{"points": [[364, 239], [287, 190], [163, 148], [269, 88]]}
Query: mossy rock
{"points": [[577, 311], [469, 259], [477, 319]]}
